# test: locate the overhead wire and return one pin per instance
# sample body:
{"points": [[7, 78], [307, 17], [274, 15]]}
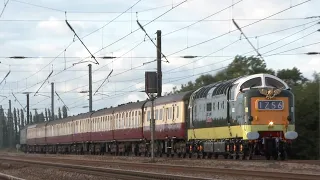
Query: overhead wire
{"points": [[88, 12], [176, 79], [68, 47], [4, 7], [208, 40], [137, 57], [117, 40], [229, 59], [132, 32], [293, 49], [160, 21], [128, 35], [162, 35], [275, 13], [82, 38], [292, 41]]}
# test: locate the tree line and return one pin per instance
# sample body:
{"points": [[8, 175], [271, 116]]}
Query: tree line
{"points": [[306, 92], [12, 122]]}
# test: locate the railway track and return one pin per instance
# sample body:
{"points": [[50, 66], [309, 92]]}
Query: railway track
{"points": [[9, 177], [91, 168], [105, 172], [71, 156]]}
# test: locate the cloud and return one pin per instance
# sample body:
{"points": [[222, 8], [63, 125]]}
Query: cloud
{"points": [[59, 28], [50, 36]]}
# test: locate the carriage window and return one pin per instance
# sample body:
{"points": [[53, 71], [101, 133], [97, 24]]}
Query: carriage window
{"points": [[177, 111], [160, 114], [156, 114], [173, 112], [273, 82], [148, 116], [252, 83], [209, 106]]}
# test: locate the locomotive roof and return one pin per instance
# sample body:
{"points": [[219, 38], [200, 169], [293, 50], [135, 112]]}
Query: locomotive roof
{"points": [[214, 89], [170, 98], [221, 87]]}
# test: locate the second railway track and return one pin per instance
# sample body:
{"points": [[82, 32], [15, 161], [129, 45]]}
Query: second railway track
{"points": [[73, 164]]}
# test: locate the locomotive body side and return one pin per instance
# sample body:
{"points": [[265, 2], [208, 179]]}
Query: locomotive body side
{"points": [[209, 113]]}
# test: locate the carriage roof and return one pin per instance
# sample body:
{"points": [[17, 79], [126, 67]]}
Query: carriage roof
{"points": [[170, 98]]}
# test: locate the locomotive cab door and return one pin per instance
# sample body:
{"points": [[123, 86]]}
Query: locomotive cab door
{"points": [[239, 108]]}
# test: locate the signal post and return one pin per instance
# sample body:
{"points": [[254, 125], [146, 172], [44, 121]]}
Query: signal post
{"points": [[150, 89], [153, 85]]}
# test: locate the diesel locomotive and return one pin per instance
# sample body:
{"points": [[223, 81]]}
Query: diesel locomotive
{"points": [[237, 118]]}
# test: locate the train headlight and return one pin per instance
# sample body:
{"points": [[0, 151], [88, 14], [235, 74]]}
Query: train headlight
{"points": [[270, 123]]}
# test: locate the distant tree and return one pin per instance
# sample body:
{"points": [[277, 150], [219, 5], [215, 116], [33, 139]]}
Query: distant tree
{"points": [[240, 66], [2, 128], [46, 115], [59, 113], [15, 120], [30, 118], [292, 77], [22, 118], [18, 119], [64, 112], [41, 117], [50, 115], [10, 124]]}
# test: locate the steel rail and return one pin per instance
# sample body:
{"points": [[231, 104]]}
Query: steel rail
{"points": [[189, 169], [105, 172], [9, 177]]}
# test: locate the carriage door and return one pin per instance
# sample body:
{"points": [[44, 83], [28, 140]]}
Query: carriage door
{"points": [[166, 116]]}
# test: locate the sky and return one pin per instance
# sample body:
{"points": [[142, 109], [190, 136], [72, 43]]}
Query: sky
{"points": [[281, 31]]}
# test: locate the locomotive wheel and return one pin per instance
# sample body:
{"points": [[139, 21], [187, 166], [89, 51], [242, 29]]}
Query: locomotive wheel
{"points": [[282, 156], [267, 155], [216, 156], [236, 156], [243, 156], [275, 155], [225, 156]]}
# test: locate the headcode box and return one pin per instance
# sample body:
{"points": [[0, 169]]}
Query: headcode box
{"points": [[151, 82]]}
